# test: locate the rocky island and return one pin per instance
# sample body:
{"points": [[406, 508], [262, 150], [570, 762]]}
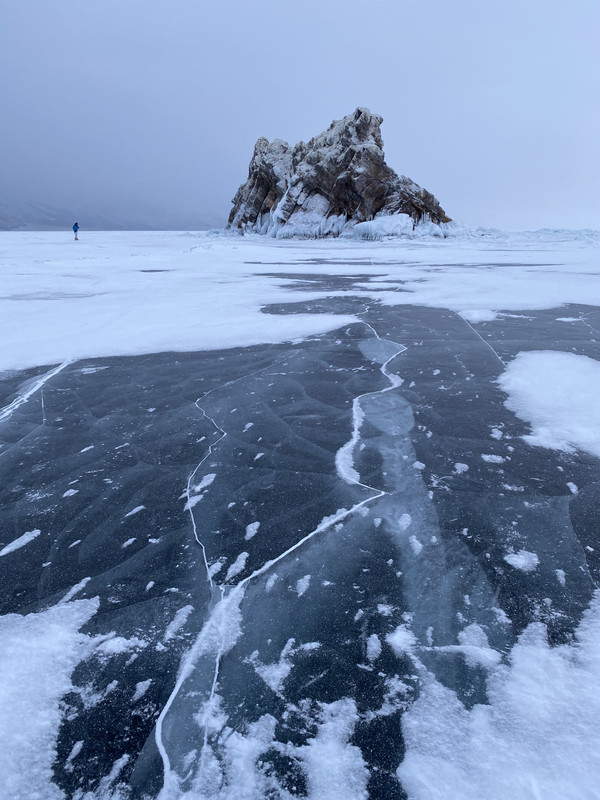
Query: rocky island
{"points": [[329, 185]]}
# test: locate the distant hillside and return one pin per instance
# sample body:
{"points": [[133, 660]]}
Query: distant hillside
{"points": [[41, 217]]}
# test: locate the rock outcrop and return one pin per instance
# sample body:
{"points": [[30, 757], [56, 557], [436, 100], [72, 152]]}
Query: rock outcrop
{"points": [[328, 184]]}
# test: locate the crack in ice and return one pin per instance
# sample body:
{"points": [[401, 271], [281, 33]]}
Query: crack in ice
{"points": [[8, 411], [483, 340], [222, 625]]}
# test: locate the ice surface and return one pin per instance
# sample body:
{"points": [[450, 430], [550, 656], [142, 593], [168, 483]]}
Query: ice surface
{"points": [[364, 536], [102, 308], [99, 301]]}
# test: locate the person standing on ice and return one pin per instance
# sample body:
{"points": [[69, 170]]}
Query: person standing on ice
{"points": [[75, 230]]}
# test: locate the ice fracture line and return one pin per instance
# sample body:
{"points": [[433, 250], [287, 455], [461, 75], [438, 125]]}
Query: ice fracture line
{"points": [[484, 341], [212, 448], [192, 655], [8, 410], [220, 619]]}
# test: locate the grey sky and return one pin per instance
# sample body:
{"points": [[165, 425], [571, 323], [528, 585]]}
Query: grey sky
{"points": [[494, 107]]}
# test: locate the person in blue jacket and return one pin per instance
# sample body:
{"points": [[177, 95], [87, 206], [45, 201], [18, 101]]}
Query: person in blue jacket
{"points": [[75, 230]]}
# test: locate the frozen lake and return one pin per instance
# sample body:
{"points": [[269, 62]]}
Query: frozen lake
{"points": [[312, 519]]}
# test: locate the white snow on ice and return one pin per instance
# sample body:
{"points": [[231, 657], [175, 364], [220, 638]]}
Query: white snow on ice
{"points": [[523, 560], [177, 622], [274, 675], [206, 481], [191, 305], [38, 653], [479, 277], [16, 544], [135, 510], [401, 640], [302, 585], [373, 647], [116, 645], [140, 689], [237, 566], [474, 646], [539, 737], [512, 747], [334, 768], [251, 530], [557, 394], [492, 459], [75, 589], [405, 521], [415, 544]]}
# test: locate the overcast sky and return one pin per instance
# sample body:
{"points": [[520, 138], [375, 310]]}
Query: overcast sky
{"points": [[140, 104]]}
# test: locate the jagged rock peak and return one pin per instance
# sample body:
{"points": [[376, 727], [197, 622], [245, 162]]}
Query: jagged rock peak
{"points": [[327, 185]]}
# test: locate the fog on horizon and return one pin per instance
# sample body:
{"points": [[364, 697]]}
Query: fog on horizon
{"points": [[150, 111]]}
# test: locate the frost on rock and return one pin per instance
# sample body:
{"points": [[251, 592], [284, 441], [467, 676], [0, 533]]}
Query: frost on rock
{"points": [[335, 181]]}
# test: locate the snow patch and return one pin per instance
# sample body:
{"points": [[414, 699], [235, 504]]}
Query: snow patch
{"points": [[302, 585], [373, 647], [115, 645], [490, 458], [140, 690], [404, 522], [415, 544], [128, 542], [537, 738], [38, 653], [206, 481], [135, 510], [16, 544], [75, 589], [237, 566], [401, 640], [251, 530], [476, 315], [274, 675], [557, 394], [177, 622], [523, 560], [334, 768]]}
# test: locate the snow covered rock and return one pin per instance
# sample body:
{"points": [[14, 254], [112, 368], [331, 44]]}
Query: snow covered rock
{"points": [[328, 184]]}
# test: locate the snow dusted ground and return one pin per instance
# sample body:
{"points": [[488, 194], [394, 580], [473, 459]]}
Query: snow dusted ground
{"points": [[134, 293], [299, 519]]}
